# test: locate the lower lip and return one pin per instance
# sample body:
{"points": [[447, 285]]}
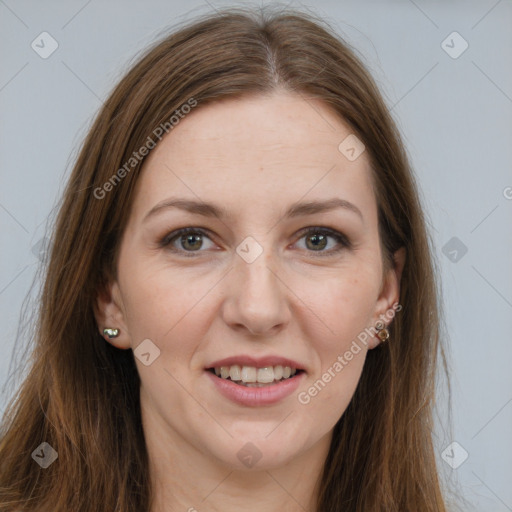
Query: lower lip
{"points": [[254, 397]]}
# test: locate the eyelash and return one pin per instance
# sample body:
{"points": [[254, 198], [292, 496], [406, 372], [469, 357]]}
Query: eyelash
{"points": [[341, 239]]}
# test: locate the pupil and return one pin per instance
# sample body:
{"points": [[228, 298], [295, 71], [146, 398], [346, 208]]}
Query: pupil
{"points": [[187, 238], [319, 239]]}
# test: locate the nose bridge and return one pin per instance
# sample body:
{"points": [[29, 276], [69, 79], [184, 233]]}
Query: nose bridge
{"points": [[254, 256], [257, 297], [256, 274], [257, 281]]}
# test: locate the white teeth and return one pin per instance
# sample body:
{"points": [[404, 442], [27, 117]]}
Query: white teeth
{"points": [[235, 372], [265, 375], [252, 376], [249, 374]]}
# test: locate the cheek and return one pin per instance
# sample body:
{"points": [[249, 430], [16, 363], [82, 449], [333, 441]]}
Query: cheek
{"points": [[165, 306], [338, 308], [344, 305], [326, 396]]}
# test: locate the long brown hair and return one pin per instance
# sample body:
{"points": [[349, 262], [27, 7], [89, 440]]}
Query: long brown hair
{"points": [[81, 395]]}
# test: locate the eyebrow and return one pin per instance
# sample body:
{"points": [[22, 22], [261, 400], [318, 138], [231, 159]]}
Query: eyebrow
{"points": [[211, 210]]}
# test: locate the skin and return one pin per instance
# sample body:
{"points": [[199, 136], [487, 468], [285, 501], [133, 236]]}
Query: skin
{"points": [[255, 157]]}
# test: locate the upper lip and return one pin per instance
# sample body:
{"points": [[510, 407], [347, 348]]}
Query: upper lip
{"points": [[258, 362]]}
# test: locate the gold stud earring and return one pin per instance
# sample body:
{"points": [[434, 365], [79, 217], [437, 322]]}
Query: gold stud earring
{"points": [[111, 333], [382, 332]]}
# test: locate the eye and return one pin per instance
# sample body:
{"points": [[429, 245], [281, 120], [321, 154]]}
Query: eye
{"points": [[190, 240], [317, 239]]}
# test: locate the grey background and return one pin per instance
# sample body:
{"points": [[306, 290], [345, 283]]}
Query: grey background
{"points": [[455, 116]]}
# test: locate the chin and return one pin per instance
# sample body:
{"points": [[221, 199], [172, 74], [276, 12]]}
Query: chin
{"points": [[258, 453]]}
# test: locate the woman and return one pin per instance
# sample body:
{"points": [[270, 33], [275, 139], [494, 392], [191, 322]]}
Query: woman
{"points": [[240, 305]]}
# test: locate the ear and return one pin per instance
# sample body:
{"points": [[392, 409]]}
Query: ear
{"points": [[389, 294], [110, 313]]}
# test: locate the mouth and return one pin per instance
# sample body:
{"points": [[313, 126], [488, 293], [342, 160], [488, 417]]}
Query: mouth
{"points": [[255, 377]]}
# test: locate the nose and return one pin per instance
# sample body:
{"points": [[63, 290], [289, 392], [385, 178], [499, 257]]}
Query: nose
{"points": [[257, 299]]}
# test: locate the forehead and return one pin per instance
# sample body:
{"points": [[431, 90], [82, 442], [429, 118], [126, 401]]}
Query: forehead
{"points": [[275, 148]]}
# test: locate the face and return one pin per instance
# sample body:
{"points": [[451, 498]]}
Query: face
{"points": [[273, 273]]}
